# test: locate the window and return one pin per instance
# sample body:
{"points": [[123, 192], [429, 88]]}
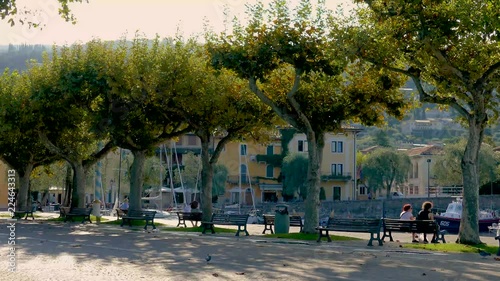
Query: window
{"points": [[336, 193], [243, 173], [269, 171], [243, 149], [337, 146], [302, 146], [270, 150], [362, 189], [337, 169]]}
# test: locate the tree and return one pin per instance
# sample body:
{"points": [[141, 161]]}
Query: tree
{"points": [[448, 169], [9, 10], [322, 194], [66, 92], [385, 168], [451, 51], [20, 147], [138, 109], [293, 66], [293, 169], [218, 105]]}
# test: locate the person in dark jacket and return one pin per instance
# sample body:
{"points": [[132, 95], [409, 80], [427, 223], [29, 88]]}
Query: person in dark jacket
{"points": [[426, 214]]}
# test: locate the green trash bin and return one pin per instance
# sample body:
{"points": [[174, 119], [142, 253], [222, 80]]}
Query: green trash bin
{"points": [[282, 219]]}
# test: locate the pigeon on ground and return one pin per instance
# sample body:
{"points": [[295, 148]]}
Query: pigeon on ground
{"points": [[483, 253], [208, 258]]}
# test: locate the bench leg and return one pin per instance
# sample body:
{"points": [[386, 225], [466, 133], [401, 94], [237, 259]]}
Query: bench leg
{"points": [[243, 230], [123, 222], [321, 235], [266, 228], [385, 234]]}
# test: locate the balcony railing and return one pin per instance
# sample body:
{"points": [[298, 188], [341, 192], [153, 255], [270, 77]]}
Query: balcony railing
{"points": [[244, 180], [337, 177]]}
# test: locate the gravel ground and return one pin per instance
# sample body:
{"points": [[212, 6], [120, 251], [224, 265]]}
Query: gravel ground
{"points": [[73, 251]]}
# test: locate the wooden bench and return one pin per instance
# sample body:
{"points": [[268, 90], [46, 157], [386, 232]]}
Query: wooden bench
{"points": [[296, 221], [413, 226], [371, 226], [148, 216], [19, 214], [226, 219], [188, 216], [78, 212], [268, 223]]}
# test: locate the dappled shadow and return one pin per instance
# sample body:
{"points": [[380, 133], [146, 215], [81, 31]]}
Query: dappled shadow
{"points": [[109, 250]]}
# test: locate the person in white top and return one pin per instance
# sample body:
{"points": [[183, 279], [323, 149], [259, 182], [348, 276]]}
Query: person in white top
{"points": [[407, 214]]}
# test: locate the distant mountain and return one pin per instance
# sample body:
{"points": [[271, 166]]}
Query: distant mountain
{"points": [[16, 57]]}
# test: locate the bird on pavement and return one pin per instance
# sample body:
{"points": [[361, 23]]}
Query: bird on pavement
{"points": [[483, 253], [208, 258]]}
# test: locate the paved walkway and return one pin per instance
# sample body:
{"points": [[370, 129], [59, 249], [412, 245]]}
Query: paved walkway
{"points": [[72, 251]]}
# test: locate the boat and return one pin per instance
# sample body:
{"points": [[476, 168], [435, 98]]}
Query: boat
{"points": [[450, 219]]}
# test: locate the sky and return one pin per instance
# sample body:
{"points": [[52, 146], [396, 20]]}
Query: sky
{"points": [[114, 19]]}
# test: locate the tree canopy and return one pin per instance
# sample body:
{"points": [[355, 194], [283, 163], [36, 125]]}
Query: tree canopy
{"points": [[10, 11], [292, 64], [293, 169], [385, 168], [450, 50]]}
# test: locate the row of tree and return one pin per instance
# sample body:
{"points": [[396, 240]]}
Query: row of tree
{"points": [[313, 68]]}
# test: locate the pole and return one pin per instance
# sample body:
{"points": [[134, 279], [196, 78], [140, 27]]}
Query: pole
{"points": [[355, 170], [119, 174], [428, 178]]}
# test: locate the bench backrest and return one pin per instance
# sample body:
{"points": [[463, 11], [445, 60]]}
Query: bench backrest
{"points": [[81, 211], [354, 224], [268, 219], [230, 218], [139, 213], [295, 221], [423, 226], [190, 216]]}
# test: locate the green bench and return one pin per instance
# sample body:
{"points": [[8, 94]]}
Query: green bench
{"points": [[84, 213], [27, 213], [412, 226]]}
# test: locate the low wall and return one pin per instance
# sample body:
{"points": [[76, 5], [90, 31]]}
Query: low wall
{"points": [[376, 208]]}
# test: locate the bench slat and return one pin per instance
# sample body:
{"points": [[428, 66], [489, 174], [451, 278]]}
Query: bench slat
{"points": [[226, 219], [147, 216], [371, 226]]}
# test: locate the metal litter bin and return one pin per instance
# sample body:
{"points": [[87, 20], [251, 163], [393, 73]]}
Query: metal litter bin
{"points": [[282, 219]]}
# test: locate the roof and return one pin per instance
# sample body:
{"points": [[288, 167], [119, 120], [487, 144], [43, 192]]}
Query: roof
{"points": [[426, 150]]}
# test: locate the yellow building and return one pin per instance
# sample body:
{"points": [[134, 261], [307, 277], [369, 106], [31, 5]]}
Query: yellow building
{"points": [[254, 168], [3, 185]]}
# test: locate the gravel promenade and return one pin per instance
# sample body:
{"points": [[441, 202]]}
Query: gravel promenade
{"points": [[73, 251]]}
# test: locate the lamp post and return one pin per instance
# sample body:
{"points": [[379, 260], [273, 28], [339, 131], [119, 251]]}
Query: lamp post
{"points": [[428, 177]]}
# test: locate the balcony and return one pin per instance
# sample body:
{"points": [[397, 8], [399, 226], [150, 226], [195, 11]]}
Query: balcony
{"points": [[337, 177], [244, 180]]}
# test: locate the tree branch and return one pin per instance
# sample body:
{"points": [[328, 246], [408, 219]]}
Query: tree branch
{"points": [[486, 75], [293, 102], [98, 155], [266, 100], [54, 149]]}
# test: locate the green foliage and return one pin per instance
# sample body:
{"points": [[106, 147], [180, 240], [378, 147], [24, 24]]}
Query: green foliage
{"points": [[384, 168], [10, 11], [43, 177], [448, 170], [381, 139], [276, 160], [294, 171]]}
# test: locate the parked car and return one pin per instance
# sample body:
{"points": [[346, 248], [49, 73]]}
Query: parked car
{"points": [[397, 194]]}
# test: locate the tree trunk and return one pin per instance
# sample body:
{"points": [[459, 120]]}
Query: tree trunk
{"points": [[136, 179], [469, 224], [316, 142], [207, 173], [24, 186], [79, 183], [68, 188]]}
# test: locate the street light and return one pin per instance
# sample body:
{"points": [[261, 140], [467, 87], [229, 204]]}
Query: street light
{"points": [[428, 177]]}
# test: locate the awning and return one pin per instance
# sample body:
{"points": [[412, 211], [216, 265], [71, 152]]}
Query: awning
{"points": [[238, 190]]}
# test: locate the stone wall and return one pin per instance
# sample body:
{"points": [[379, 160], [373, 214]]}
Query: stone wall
{"points": [[376, 208]]}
